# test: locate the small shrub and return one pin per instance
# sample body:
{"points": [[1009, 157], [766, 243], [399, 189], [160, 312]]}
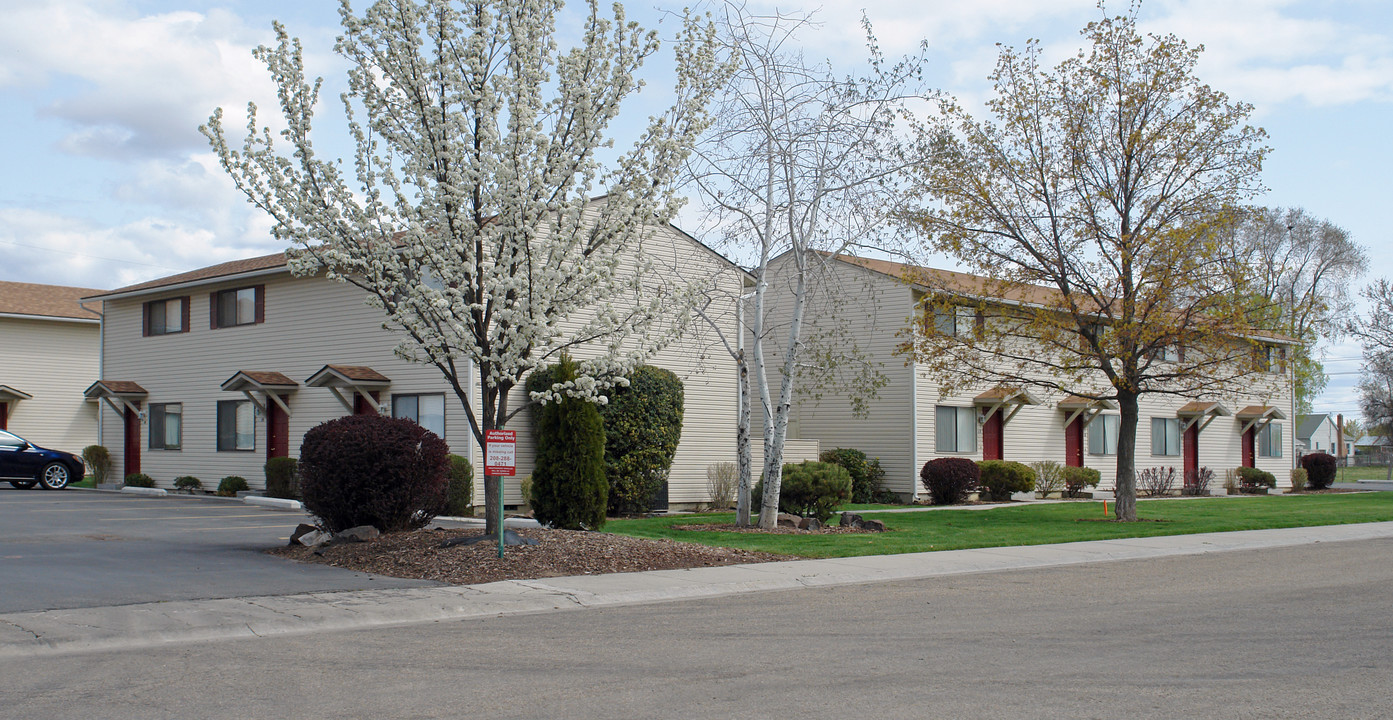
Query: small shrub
{"points": [[1156, 482], [282, 478], [1075, 479], [569, 489], [1048, 478], [1251, 480], [866, 473], [950, 479], [373, 470], [1001, 478], [188, 484], [1298, 479], [98, 461], [1320, 470], [814, 489], [461, 492], [1197, 482], [1231, 480], [140, 480], [721, 482], [525, 489], [231, 485]]}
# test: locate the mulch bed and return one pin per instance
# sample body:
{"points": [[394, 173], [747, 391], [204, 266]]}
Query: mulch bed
{"points": [[417, 555]]}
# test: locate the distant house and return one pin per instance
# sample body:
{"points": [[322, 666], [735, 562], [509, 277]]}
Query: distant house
{"points": [[1319, 432], [211, 372], [49, 350], [910, 421]]}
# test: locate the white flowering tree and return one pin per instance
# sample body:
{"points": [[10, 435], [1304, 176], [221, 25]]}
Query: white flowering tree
{"points": [[467, 214], [802, 163]]}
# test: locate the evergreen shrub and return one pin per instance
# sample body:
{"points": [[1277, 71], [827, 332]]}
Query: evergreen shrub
{"points": [[282, 478], [140, 480], [461, 492], [950, 479], [231, 485], [866, 473], [1000, 478], [642, 424], [1320, 470], [373, 470], [569, 489], [188, 484], [1251, 479], [1077, 478]]}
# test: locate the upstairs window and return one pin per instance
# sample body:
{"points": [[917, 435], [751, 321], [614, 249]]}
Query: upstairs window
{"points": [[1165, 436], [166, 317], [1272, 359], [1102, 435], [242, 306], [955, 429], [958, 321], [166, 426]]}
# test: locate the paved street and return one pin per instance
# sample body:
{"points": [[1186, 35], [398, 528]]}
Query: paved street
{"points": [[74, 549], [1292, 632]]}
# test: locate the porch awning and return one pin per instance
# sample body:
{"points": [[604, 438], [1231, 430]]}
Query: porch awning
{"points": [[1255, 415], [9, 394], [1001, 398], [1076, 402], [1197, 411], [272, 385], [117, 394], [355, 379]]}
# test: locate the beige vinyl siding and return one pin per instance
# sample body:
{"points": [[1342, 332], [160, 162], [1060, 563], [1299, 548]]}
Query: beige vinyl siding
{"points": [[310, 322], [868, 309], [53, 361]]}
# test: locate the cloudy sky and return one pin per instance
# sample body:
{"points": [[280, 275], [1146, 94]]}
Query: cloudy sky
{"points": [[108, 182]]}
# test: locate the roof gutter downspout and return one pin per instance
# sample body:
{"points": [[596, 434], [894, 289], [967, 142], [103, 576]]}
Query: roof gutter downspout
{"points": [[101, 358]]}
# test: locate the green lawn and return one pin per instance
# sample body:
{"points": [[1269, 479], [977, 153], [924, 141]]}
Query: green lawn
{"points": [[1031, 524], [1353, 474]]}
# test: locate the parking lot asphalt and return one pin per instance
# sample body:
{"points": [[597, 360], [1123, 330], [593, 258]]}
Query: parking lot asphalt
{"points": [[77, 549]]}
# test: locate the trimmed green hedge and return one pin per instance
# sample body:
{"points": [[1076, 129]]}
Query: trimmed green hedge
{"points": [[569, 489], [642, 424]]}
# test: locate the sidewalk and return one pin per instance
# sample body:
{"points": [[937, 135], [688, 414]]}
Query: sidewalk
{"points": [[37, 634]]}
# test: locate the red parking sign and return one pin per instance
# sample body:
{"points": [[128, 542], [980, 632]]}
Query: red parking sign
{"points": [[500, 452]]}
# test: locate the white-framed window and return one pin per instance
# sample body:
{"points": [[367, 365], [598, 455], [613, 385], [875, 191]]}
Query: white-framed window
{"points": [[1270, 441], [166, 426], [236, 425], [957, 321], [1273, 359], [1102, 434], [427, 410], [1165, 436], [955, 429], [1169, 353]]}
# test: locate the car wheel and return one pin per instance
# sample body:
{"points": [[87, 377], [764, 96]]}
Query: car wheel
{"points": [[54, 476], [24, 484]]}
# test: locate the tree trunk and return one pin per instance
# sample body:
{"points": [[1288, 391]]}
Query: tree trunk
{"points": [[493, 510], [742, 446], [1125, 503]]}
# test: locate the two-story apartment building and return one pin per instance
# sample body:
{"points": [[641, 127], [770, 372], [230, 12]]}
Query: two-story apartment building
{"points": [[911, 420], [210, 372], [49, 344]]}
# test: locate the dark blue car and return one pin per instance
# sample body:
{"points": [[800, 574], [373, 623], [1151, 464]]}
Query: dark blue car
{"points": [[25, 464]]}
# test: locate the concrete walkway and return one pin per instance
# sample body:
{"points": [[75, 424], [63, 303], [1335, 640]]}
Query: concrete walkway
{"points": [[146, 625]]}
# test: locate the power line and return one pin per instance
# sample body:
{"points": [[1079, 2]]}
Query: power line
{"points": [[86, 255]]}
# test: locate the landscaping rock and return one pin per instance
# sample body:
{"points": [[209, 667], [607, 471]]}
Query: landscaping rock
{"points": [[301, 530], [360, 533], [850, 519], [315, 539], [809, 524], [873, 525], [787, 520]]}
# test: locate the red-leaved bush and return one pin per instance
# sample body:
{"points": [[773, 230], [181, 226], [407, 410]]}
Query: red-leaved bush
{"points": [[1320, 470], [950, 479], [373, 470]]}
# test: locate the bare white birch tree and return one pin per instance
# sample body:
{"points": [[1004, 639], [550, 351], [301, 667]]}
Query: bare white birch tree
{"points": [[467, 215], [798, 163]]}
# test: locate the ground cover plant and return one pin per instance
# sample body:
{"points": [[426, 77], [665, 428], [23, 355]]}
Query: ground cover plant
{"points": [[952, 529]]}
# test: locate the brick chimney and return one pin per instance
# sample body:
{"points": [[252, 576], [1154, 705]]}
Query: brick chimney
{"points": [[1340, 435]]}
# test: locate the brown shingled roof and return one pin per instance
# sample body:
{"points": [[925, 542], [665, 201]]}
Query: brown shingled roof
{"points": [[20, 298], [359, 372], [266, 378], [113, 387], [235, 267]]}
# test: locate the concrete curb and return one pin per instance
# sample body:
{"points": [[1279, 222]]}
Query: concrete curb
{"points": [[153, 624], [151, 492], [270, 502]]}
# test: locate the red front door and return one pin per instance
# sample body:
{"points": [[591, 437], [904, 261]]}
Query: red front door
{"points": [[1249, 442], [363, 407], [1191, 444], [1073, 443], [132, 460], [992, 444], [4, 416], [277, 431]]}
